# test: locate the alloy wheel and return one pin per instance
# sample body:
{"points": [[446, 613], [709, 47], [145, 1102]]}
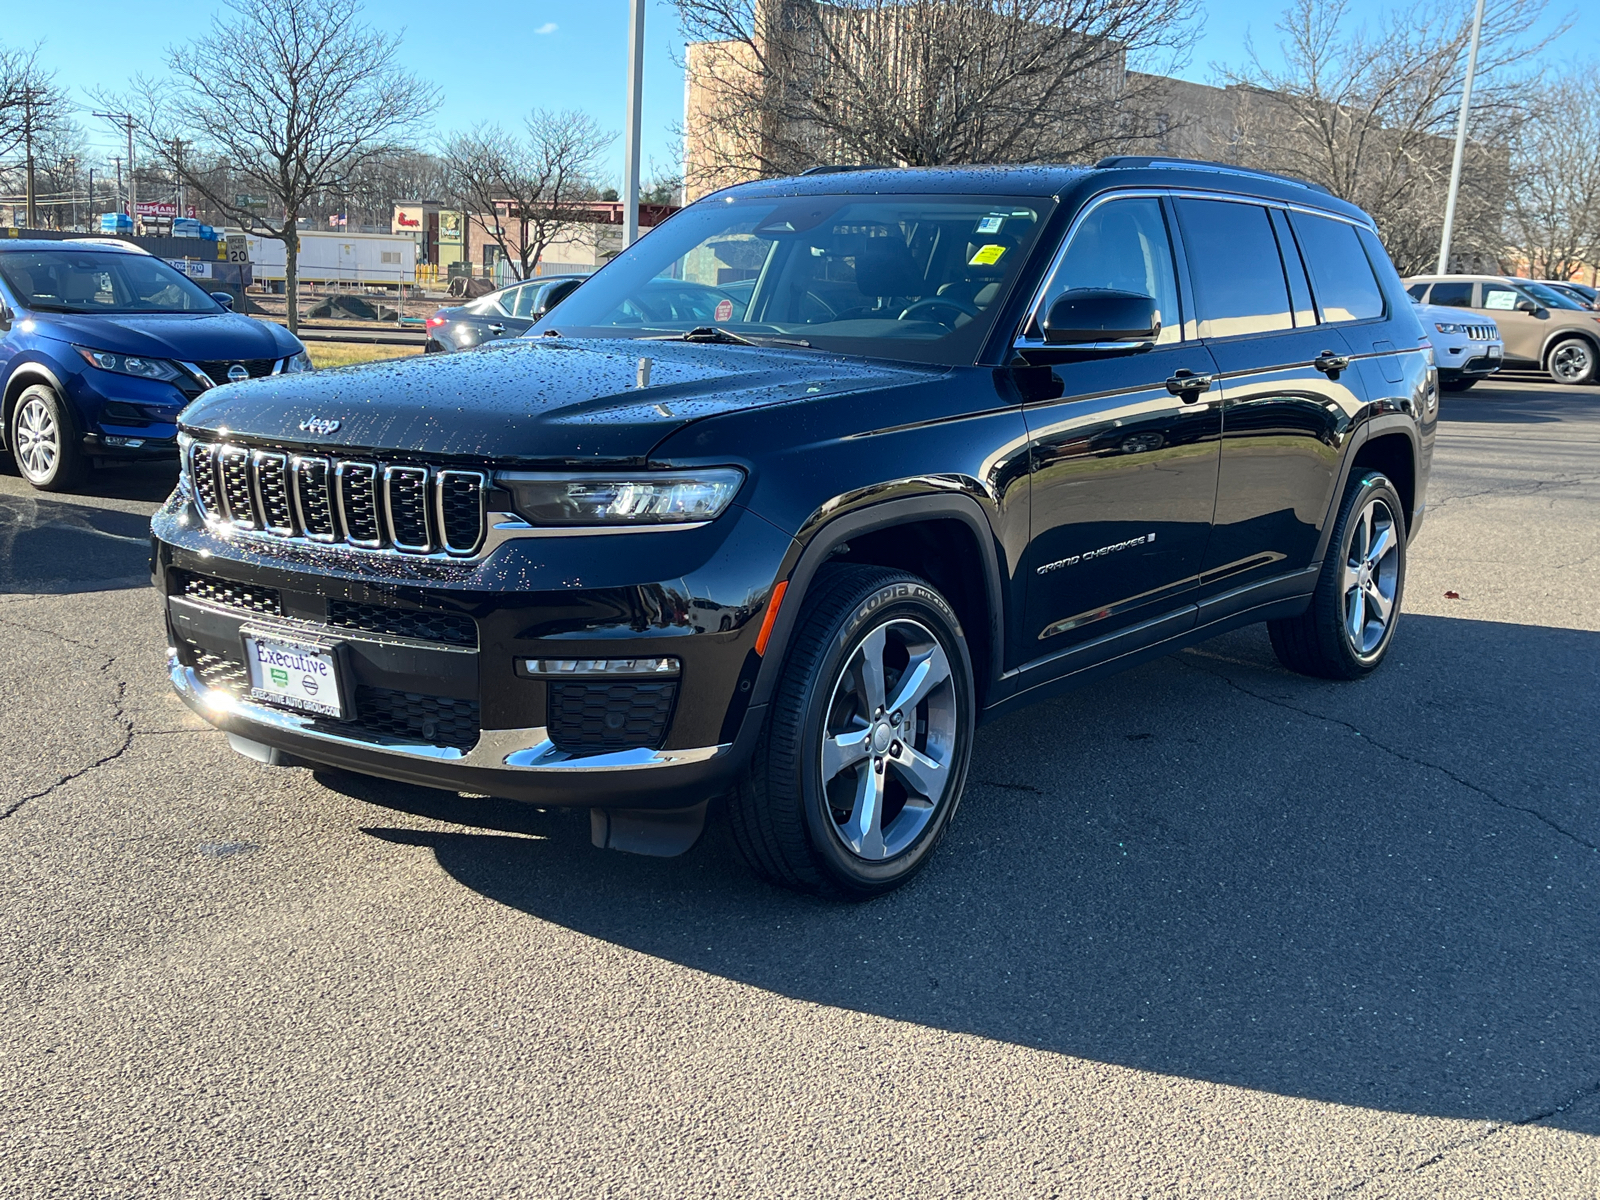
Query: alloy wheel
{"points": [[1371, 578], [890, 739], [38, 439], [1572, 362]]}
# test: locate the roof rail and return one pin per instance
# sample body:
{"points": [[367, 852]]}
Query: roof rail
{"points": [[837, 170], [1142, 160]]}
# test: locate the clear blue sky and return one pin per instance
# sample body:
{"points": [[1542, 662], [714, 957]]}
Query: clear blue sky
{"points": [[498, 62]]}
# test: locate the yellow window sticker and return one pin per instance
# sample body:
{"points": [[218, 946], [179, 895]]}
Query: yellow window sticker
{"points": [[986, 256]]}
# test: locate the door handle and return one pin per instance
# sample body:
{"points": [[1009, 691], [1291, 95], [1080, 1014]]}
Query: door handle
{"points": [[1330, 364], [1187, 386], [497, 329]]}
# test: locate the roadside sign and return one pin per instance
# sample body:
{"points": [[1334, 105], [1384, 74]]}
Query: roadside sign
{"points": [[238, 248]]}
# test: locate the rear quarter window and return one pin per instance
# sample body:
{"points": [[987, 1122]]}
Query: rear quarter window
{"points": [[1341, 276]]}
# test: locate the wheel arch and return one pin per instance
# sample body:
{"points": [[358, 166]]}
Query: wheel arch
{"points": [[23, 376], [945, 538], [1560, 335], [1389, 443]]}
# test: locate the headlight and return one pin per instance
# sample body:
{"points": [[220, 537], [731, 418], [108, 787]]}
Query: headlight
{"points": [[129, 364], [653, 498], [1447, 327], [297, 363]]}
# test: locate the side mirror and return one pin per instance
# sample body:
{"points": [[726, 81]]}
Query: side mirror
{"points": [[1086, 315], [223, 298], [6, 317], [1527, 306]]}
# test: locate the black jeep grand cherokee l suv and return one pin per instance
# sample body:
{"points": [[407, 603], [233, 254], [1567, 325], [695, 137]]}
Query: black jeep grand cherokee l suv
{"points": [[949, 441]]}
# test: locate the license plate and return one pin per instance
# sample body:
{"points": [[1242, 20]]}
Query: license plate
{"points": [[293, 675], [1494, 351]]}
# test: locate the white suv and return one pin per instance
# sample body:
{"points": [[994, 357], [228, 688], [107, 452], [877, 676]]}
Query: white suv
{"points": [[1466, 346]]}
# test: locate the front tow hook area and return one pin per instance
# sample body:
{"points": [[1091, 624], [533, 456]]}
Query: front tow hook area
{"points": [[658, 832]]}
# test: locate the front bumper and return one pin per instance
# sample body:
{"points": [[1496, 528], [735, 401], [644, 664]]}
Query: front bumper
{"points": [[435, 656], [1476, 361]]}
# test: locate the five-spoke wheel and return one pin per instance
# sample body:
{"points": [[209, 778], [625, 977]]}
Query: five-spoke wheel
{"points": [[1371, 576], [864, 753]]}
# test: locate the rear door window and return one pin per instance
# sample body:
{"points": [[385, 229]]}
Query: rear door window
{"points": [[1453, 293], [1233, 259], [1346, 288]]}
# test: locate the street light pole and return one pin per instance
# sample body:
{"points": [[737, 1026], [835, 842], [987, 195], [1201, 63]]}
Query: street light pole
{"points": [[1461, 142], [133, 188], [630, 183]]}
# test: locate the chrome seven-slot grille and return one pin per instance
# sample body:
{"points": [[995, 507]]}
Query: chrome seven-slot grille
{"points": [[375, 506], [1483, 333]]}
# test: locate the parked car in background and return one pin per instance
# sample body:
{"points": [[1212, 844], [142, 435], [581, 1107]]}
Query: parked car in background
{"points": [[1581, 292], [101, 345], [1466, 348], [1542, 329], [501, 314], [968, 438]]}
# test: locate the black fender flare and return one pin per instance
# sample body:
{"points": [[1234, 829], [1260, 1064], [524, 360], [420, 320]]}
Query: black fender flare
{"points": [[881, 515], [1375, 427], [23, 376]]}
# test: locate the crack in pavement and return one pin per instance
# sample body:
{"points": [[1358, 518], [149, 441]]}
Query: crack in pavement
{"points": [[118, 716], [1514, 489], [1403, 757], [1493, 1128]]}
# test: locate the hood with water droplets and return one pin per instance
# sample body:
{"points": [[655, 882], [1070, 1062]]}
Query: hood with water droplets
{"points": [[544, 400]]}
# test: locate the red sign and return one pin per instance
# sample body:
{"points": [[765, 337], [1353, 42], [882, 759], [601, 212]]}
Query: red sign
{"points": [[724, 311], [400, 218], [160, 208]]}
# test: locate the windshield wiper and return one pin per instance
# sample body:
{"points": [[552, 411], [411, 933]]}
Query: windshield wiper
{"points": [[724, 337]]}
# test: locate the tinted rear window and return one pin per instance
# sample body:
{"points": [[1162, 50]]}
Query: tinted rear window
{"points": [[1238, 276], [1454, 294], [1341, 276]]}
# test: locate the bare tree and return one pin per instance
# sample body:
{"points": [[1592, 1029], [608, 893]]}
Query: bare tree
{"points": [[288, 99], [1369, 112], [531, 191], [780, 85], [1554, 206]]}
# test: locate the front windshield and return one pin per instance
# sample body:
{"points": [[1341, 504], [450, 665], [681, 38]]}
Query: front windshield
{"points": [[1549, 297], [913, 277], [99, 281]]}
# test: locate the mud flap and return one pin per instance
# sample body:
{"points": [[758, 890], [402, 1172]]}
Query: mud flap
{"points": [[661, 833]]}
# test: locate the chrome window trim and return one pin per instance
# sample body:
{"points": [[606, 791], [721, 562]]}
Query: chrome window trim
{"points": [[438, 500], [390, 474], [350, 467], [1034, 312]]}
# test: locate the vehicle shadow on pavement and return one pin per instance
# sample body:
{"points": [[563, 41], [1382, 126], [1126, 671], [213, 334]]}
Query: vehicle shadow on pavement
{"points": [[1551, 403], [1379, 894], [50, 545]]}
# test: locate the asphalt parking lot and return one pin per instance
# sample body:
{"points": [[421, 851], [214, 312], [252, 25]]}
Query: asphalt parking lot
{"points": [[1209, 929]]}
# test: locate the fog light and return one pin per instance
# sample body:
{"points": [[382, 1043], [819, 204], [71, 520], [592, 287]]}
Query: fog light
{"points": [[568, 667], [124, 441]]}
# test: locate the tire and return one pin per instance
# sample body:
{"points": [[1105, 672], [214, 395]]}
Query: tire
{"points": [[1455, 385], [1369, 533], [43, 441], [830, 758], [1572, 361]]}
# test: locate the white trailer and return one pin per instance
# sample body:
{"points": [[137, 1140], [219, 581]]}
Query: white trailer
{"points": [[356, 258]]}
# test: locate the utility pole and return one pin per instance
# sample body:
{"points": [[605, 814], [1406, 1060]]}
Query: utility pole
{"points": [[1461, 142], [30, 96], [91, 200], [72, 188], [133, 187], [630, 168]]}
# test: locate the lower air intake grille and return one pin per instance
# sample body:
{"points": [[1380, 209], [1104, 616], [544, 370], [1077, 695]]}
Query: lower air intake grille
{"points": [[216, 671], [436, 720], [228, 594], [592, 718], [450, 628]]}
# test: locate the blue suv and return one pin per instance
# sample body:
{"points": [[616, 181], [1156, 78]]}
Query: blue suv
{"points": [[101, 345]]}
